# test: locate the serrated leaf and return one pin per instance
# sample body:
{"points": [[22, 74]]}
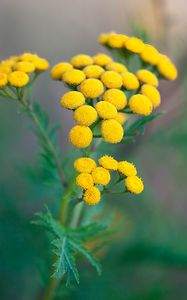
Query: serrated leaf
{"points": [[65, 263], [88, 255], [88, 232]]}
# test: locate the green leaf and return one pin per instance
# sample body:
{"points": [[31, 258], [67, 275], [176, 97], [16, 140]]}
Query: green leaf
{"points": [[65, 263], [88, 255], [88, 232], [67, 243], [139, 123]]}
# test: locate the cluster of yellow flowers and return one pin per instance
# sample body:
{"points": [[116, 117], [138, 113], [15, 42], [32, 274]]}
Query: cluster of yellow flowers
{"points": [[91, 175], [16, 71], [147, 53], [100, 96]]}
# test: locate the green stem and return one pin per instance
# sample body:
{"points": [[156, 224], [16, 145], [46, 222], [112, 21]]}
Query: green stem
{"points": [[29, 109]]}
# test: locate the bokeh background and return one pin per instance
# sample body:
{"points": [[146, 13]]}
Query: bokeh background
{"points": [[149, 260]]}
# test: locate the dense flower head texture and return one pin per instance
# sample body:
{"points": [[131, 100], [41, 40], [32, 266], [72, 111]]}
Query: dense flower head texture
{"points": [[18, 71], [93, 176], [148, 53], [104, 95]]}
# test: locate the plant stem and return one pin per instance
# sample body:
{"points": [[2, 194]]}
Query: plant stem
{"points": [[29, 109]]}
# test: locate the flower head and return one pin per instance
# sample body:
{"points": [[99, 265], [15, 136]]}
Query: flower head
{"points": [[80, 136], [117, 67], [84, 165], [106, 110], [140, 104], [84, 181], [108, 162], [92, 88], [85, 115], [130, 81], [92, 196], [134, 184], [134, 45], [148, 77], [41, 64], [111, 131], [111, 79], [126, 168], [81, 60], [116, 97], [72, 100], [73, 77], [102, 59], [166, 68], [101, 176], [59, 69], [3, 79], [152, 93], [117, 40], [25, 66], [18, 78], [93, 71], [150, 54]]}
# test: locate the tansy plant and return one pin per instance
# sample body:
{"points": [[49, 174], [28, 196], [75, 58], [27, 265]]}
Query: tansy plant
{"points": [[111, 101]]}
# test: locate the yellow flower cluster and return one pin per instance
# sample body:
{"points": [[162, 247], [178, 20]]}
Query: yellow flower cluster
{"points": [[90, 175], [16, 71], [147, 53], [99, 96]]}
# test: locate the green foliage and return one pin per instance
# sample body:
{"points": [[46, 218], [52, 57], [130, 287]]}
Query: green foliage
{"points": [[68, 243], [50, 162], [138, 126]]}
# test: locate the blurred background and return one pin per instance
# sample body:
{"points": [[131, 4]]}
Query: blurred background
{"points": [[149, 259]]}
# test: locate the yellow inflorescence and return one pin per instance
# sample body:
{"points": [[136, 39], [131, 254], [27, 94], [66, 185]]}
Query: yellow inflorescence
{"points": [[126, 168], [25, 66], [72, 100], [148, 77], [116, 97], [92, 88], [59, 69], [106, 110], [3, 79], [134, 44], [108, 162], [84, 165], [85, 115], [166, 68], [17, 71], [101, 176], [90, 175], [140, 104], [102, 59], [130, 81], [92, 196], [18, 78], [152, 93], [84, 181], [117, 67], [73, 77], [111, 131], [146, 52], [111, 79], [80, 136], [105, 94], [150, 55], [81, 60], [93, 71], [134, 184]]}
